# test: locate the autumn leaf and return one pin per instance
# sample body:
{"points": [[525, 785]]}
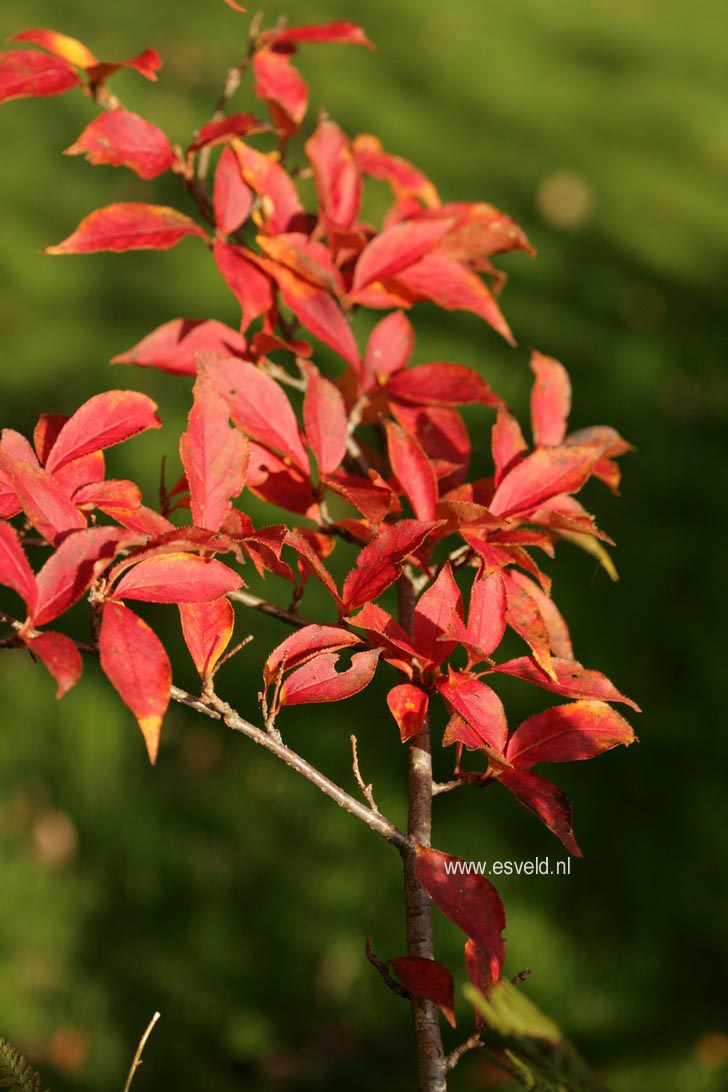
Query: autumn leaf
{"points": [[550, 400], [79, 560], [429, 979], [128, 226], [26, 73], [232, 198], [378, 564], [122, 139], [479, 705], [413, 471], [59, 656], [319, 681], [408, 705], [176, 578], [174, 347], [571, 679], [106, 419], [336, 174], [568, 733], [207, 629], [325, 420], [305, 644], [15, 571], [214, 456]]}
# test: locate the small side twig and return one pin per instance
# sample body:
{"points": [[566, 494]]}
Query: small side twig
{"points": [[471, 1043], [366, 789], [139, 1051], [383, 970]]}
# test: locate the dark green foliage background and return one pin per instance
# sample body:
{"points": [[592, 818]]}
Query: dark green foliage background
{"points": [[218, 888]]}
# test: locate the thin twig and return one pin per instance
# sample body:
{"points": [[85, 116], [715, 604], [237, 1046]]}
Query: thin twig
{"points": [[471, 1043], [383, 970], [283, 615], [139, 1051], [366, 789]]}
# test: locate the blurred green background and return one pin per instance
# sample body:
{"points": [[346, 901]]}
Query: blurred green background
{"points": [[218, 888]]}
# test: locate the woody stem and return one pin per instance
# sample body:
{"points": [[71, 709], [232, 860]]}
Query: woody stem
{"points": [[431, 1063]]}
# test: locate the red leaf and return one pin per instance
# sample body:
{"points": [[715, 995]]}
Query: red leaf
{"points": [[147, 64], [524, 617], [273, 479], [372, 497], [105, 420], [383, 631], [223, 130], [429, 979], [25, 73], [250, 286], [176, 578], [317, 311], [214, 456], [302, 545], [235, 6], [413, 471], [325, 420], [70, 571], [390, 346], [550, 400], [479, 706], [134, 661], [281, 204], [455, 287], [545, 473], [558, 631], [207, 629], [283, 87], [404, 179], [232, 198], [109, 496], [378, 564], [442, 435], [486, 617], [572, 680], [15, 572], [322, 33], [319, 681], [336, 174], [122, 139], [442, 385], [60, 656], [304, 645], [470, 901], [408, 705], [397, 248], [546, 801], [174, 346], [68, 49], [507, 444], [258, 406], [45, 504], [434, 612], [307, 258], [568, 733], [128, 226]]}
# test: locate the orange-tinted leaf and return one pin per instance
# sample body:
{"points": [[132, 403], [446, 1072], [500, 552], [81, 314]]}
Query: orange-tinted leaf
{"points": [[304, 645], [454, 287], [322, 33], [45, 504], [442, 385], [470, 901], [378, 564], [558, 631], [15, 572], [214, 456], [174, 346], [79, 560], [311, 560], [390, 346], [568, 733], [108, 496], [281, 205], [274, 479], [550, 400], [134, 661], [105, 420], [319, 681], [543, 474], [397, 248], [507, 444], [232, 198], [128, 226], [60, 656], [442, 435], [318, 311], [572, 680], [307, 258], [478, 705], [524, 617], [223, 130], [207, 629], [147, 64], [546, 801], [235, 6], [325, 420], [250, 286], [258, 406], [408, 705], [282, 86], [25, 73], [60, 45], [383, 631], [429, 979], [144, 520], [336, 174], [177, 578], [404, 179], [122, 139], [413, 471], [372, 497]]}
